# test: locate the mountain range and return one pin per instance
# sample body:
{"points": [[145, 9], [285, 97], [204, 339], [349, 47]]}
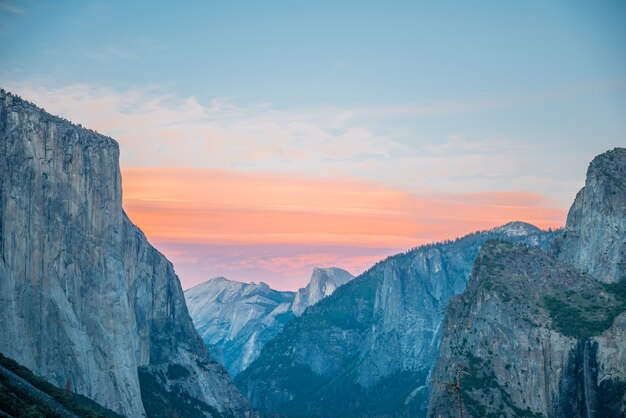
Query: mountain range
{"points": [[512, 321], [235, 319], [369, 348]]}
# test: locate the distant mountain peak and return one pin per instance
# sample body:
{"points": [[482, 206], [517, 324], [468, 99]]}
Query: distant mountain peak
{"points": [[517, 229], [332, 271], [323, 282], [219, 279], [236, 319]]}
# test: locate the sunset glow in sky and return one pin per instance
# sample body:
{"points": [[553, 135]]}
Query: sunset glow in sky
{"points": [[260, 140], [288, 225]]}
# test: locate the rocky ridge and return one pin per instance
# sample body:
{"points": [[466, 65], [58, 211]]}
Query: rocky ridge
{"points": [[236, 320], [368, 349]]}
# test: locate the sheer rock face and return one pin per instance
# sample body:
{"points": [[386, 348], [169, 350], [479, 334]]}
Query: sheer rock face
{"points": [[236, 319], [595, 234], [368, 349], [83, 295], [324, 281]]}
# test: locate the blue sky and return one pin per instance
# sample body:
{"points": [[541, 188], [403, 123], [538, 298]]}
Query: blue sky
{"points": [[302, 53], [436, 100]]}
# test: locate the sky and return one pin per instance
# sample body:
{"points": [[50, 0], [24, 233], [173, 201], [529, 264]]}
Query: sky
{"points": [[261, 139]]}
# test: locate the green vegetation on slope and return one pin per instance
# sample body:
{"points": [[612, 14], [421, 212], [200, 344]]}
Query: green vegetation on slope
{"points": [[161, 403], [17, 401], [618, 289], [481, 392], [382, 400], [586, 313]]}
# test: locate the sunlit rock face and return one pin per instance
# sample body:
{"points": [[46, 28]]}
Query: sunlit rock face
{"points": [[236, 320], [594, 239], [84, 298], [324, 281], [545, 334], [368, 349]]}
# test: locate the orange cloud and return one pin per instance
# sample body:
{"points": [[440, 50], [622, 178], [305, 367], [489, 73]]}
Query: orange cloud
{"points": [[219, 206], [262, 226], [282, 266], [230, 207]]}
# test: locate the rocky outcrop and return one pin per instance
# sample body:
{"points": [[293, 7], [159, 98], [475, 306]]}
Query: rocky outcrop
{"points": [[523, 331], [83, 296], [368, 349], [237, 319], [324, 281], [594, 239], [537, 335]]}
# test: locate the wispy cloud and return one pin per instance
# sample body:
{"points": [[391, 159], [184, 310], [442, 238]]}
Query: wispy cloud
{"points": [[391, 143], [160, 129], [190, 133], [285, 267]]}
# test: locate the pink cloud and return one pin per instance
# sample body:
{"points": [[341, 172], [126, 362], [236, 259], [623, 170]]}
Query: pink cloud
{"points": [[284, 267], [305, 221]]}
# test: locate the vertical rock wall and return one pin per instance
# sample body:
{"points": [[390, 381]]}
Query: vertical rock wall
{"points": [[83, 295]]}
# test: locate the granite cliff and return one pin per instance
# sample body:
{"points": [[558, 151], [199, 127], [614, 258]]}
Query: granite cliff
{"points": [[323, 282], [524, 331], [594, 239], [540, 334], [84, 298]]}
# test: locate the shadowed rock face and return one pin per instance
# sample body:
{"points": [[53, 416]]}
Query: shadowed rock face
{"points": [[367, 349], [83, 295], [236, 319], [594, 239], [524, 329], [542, 335]]}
